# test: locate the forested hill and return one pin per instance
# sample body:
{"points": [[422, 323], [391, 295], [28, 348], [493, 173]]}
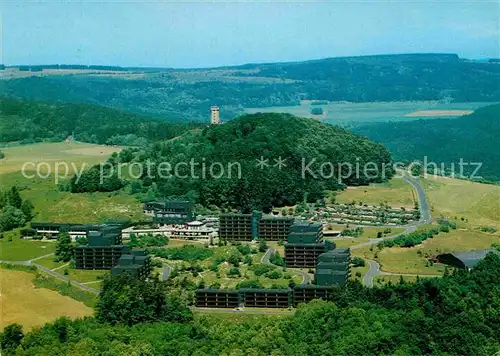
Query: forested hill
{"points": [[474, 138], [187, 94], [299, 142], [26, 122]]}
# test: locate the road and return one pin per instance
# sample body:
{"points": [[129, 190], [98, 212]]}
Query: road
{"points": [[425, 218], [425, 215], [52, 273]]}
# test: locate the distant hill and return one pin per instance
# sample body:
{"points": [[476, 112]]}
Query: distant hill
{"points": [[474, 138], [26, 122], [187, 94], [250, 138]]}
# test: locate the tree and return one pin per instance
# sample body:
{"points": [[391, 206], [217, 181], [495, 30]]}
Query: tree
{"points": [[11, 337], [262, 246], [64, 248], [10, 218], [127, 300], [317, 111], [126, 155], [14, 198], [27, 209], [358, 262]]}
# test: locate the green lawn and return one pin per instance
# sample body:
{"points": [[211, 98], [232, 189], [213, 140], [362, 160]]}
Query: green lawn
{"points": [[22, 250], [84, 276], [49, 263], [368, 234]]}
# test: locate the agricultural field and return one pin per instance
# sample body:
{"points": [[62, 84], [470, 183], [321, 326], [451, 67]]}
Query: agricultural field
{"points": [[471, 204], [346, 114], [82, 155], [29, 306], [395, 193]]}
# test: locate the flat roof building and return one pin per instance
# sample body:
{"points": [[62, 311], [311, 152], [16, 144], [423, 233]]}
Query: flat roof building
{"points": [[103, 250], [135, 262], [170, 211], [305, 244], [333, 267]]}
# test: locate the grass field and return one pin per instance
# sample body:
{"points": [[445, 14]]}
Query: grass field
{"points": [[56, 206], [478, 204], [368, 234], [396, 193], [354, 113], [29, 306], [414, 260], [22, 250], [77, 153]]}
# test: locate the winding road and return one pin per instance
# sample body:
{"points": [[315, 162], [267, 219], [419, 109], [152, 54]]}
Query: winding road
{"points": [[425, 218], [306, 277]]}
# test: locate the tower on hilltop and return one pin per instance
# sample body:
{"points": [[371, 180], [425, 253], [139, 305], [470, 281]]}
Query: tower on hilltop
{"points": [[214, 115]]}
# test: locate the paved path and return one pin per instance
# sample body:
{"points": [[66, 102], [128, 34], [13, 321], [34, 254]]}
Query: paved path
{"points": [[374, 271], [306, 278], [52, 273], [166, 272]]}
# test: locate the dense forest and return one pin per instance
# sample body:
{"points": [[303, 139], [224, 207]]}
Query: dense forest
{"points": [[186, 94], [27, 122], [219, 165], [458, 314], [474, 138]]}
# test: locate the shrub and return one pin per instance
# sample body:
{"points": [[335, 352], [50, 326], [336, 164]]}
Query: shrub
{"points": [[274, 274], [358, 262]]}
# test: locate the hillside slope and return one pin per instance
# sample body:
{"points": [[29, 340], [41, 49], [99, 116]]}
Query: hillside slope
{"points": [[473, 138], [243, 142], [27, 122], [187, 94]]}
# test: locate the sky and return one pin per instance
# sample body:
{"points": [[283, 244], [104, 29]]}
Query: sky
{"points": [[184, 34]]}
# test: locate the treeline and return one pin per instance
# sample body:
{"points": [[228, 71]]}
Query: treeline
{"points": [[158, 96], [179, 95], [228, 174], [14, 210], [472, 138], [417, 237], [391, 78], [39, 68], [28, 122], [456, 315]]}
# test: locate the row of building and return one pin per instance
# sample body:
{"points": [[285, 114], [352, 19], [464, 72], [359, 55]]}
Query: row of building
{"points": [[261, 298]]}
